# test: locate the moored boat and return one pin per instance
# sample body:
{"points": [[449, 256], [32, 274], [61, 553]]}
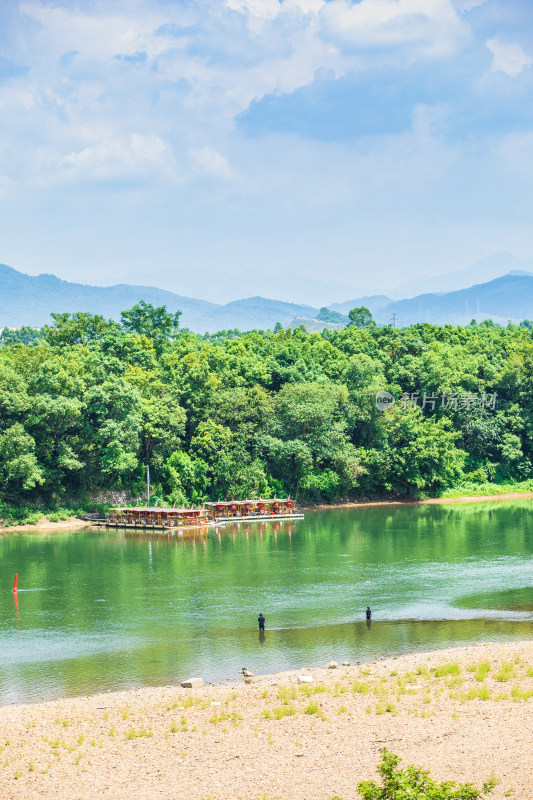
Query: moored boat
{"points": [[210, 514]]}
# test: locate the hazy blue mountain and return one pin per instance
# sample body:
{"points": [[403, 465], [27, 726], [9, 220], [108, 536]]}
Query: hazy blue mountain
{"points": [[254, 312], [223, 287], [29, 300], [486, 269], [507, 298]]}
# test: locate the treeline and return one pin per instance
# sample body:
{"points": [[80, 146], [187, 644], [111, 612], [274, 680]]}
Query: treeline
{"points": [[88, 403]]}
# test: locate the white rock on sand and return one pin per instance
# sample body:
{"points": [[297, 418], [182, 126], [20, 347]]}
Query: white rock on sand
{"points": [[192, 683]]}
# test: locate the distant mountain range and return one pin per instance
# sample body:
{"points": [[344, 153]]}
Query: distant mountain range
{"points": [[486, 269], [509, 297], [221, 287], [29, 300], [224, 287]]}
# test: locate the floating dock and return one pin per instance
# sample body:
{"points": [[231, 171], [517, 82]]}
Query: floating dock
{"points": [[209, 515], [221, 523]]}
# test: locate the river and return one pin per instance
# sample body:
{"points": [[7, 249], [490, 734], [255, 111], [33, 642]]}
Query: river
{"points": [[102, 609]]}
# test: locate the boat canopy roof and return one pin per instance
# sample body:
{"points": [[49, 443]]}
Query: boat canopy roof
{"points": [[194, 510], [249, 502], [159, 509]]}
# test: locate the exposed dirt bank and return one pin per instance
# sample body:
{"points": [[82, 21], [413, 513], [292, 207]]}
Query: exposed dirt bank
{"points": [[45, 526], [464, 714]]}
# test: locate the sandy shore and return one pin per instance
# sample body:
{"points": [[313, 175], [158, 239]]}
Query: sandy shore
{"points": [[45, 526], [430, 502], [464, 714]]}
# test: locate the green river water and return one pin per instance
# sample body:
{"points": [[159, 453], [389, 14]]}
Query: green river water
{"points": [[105, 609]]}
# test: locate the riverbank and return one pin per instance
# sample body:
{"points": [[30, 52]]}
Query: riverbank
{"points": [[463, 713], [44, 525], [427, 502]]}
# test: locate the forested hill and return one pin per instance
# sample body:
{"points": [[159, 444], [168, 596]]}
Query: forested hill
{"points": [[90, 404], [29, 300]]}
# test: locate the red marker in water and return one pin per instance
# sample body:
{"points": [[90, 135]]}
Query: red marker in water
{"points": [[15, 584]]}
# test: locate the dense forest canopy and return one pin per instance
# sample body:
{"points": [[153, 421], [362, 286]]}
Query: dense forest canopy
{"points": [[86, 403]]}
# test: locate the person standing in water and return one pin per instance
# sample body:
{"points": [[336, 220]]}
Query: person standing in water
{"points": [[261, 621], [368, 613]]}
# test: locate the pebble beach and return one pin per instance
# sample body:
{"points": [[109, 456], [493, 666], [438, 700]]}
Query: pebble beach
{"points": [[465, 714]]}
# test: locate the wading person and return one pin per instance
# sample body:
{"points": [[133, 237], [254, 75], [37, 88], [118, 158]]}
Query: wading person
{"points": [[261, 621], [368, 613]]}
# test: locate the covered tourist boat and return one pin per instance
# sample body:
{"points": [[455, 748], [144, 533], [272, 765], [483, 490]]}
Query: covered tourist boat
{"points": [[209, 514], [155, 517], [275, 507]]}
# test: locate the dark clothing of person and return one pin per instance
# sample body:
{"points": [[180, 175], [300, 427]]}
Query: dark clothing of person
{"points": [[368, 612], [261, 621]]}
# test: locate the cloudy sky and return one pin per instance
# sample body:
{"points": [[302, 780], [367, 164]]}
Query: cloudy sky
{"points": [[369, 142]]}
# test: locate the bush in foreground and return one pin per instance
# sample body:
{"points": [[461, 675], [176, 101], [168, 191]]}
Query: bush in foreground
{"points": [[414, 783]]}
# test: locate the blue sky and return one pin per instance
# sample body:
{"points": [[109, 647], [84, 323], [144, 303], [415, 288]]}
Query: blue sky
{"points": [[370, 142]]}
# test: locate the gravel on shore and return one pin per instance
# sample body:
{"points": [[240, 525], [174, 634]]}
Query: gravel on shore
{"points": [[465, 714]]}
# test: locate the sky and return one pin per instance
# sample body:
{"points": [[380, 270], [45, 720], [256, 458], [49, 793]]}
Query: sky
{"points": [[366, 142]]}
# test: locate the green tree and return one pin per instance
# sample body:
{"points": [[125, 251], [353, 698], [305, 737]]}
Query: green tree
{"points": [[79, 328], [186, 478], [154, 322], [112, 422], [19, 470], [23, 335], [411, 455], [361, 317]]}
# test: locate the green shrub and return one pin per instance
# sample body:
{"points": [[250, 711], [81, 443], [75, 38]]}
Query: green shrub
{"points": [[452, 668], [505, 672], [284, 711], [414, 783], [481, 671]]}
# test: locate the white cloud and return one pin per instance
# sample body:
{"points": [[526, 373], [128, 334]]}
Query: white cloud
{"points": [[432, 25], [468, 5], [516, 150], [119, 158], [270, 9], [18, 98], [267, 9], [98, 36], [211, 161], [508, 57]]}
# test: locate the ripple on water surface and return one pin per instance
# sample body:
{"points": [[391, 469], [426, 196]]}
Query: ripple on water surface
{"points": [[516, 599]]}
